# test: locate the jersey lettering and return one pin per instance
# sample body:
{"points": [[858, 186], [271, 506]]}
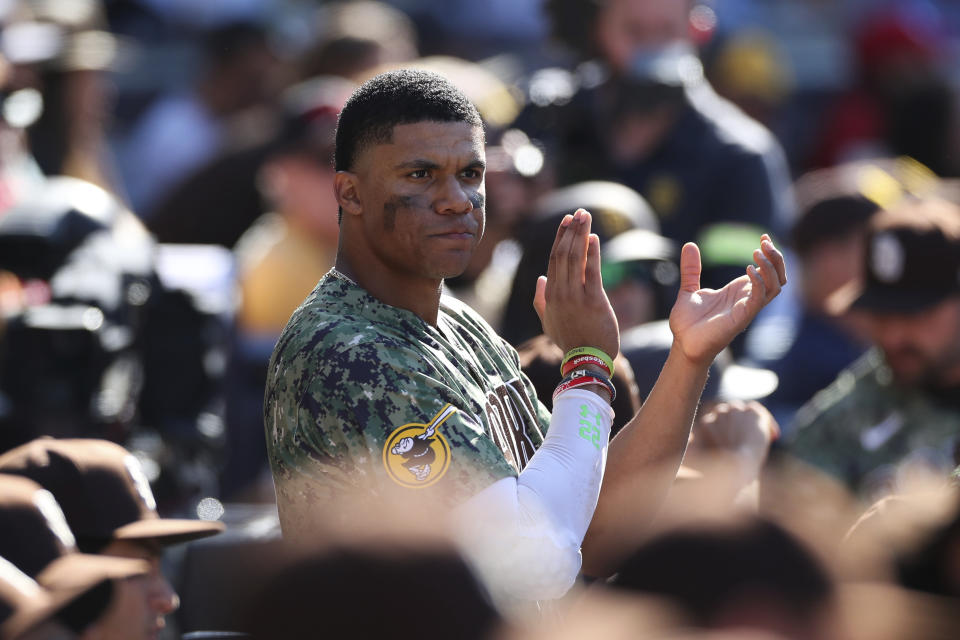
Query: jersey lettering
{"points": [[509, 424]]}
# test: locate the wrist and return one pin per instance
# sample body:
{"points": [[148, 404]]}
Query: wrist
{"points": [[595, 381], [678, 357]]}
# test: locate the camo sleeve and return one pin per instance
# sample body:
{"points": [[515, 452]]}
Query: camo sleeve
{"points": [[372, 417]]}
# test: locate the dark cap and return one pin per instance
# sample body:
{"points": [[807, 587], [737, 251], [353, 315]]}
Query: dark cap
{"points": [[912, 258], [34, 537], [102, 490]]}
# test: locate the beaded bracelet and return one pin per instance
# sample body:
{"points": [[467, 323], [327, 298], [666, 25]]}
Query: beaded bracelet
{"points": [[582, 377], [589, 351], [578, 361]]}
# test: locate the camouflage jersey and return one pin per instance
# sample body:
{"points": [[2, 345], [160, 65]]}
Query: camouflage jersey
{"points": [[863, 426], [362, 396]]}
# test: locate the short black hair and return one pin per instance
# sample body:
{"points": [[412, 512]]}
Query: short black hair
{"points": [[403, 96]]}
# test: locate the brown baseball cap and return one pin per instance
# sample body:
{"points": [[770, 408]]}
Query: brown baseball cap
{"points": [[36, 540], [23, 603], [912, 258], [102, 490]]}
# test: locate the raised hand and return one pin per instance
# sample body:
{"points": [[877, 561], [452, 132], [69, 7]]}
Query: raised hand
{"points": [[570, 299], [704, 321]]}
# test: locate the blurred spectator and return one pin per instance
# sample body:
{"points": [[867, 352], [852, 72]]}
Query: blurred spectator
{"points": [[220, 198], [828, 238], [644, 115], [92, 596], [180, 132], [110, 508], [748, 69], [742, 575], [356, 37], [641, 275], [902, 102], [61, 51], [896, 407], [615, 209], [281, 260]]}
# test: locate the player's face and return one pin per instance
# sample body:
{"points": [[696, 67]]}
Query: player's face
{"points": [[422, 198], [920, 347]]}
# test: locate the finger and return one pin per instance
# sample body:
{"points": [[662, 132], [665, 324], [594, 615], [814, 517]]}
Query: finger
{"points": [[561, 280], [758, 292], [690, 268], [578, 252], [593, 279], [767, 272], [775, 257], [540, 298], [554, 263]]}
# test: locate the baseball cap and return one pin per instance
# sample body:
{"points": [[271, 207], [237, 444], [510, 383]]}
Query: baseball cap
{"points": [[640, 247], [615, 208], [35, 538], [102, 490], [24, 604], [912, 257]]}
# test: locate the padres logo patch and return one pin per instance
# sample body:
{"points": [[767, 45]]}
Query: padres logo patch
{"points": [[417, 455]]}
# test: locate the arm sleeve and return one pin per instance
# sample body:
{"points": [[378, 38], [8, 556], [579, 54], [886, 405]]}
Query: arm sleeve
{"points": [[523, 534]]}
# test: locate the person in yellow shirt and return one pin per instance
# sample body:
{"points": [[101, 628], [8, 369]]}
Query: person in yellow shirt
{"points": [[285, 253]]}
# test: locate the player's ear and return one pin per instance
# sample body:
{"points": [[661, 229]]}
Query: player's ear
{"points": [[348, 197]]}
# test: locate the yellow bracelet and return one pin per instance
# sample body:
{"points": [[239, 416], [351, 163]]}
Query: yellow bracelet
{"points": [[588, 351]]}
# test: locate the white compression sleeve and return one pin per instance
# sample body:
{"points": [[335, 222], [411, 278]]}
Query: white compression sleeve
{"points": [[523, 534]]}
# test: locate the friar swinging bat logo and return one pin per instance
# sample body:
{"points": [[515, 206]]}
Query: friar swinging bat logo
{"points": [[417, 455]]}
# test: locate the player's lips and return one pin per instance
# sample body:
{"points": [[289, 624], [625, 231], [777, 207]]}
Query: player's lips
{"points": [[457, 233]]}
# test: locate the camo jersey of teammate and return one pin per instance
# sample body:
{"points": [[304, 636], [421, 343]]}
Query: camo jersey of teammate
{"points": [[863, 427], [361, 393]]}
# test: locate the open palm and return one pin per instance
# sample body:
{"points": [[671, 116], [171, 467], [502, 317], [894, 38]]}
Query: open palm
{"points": [[704, 321]]}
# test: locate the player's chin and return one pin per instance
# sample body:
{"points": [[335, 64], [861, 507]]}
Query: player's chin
{"points": [[451, 266]]}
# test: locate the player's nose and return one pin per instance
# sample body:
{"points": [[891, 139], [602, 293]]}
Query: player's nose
{"points": [[453, 197]]}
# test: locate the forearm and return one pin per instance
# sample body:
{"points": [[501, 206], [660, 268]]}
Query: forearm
{"points": [[523, 534], [642, 463]]}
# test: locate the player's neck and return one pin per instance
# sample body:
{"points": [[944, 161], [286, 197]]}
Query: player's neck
{"points": [[421, 296]]}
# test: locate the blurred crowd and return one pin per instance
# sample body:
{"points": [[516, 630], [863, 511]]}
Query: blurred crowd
{"points": [[166, 202]]}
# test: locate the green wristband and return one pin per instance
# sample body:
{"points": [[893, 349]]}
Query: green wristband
{"points": [[588, 351]]}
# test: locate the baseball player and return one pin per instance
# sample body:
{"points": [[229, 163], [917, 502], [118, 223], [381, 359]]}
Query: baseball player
{"points": [[380, 385]]}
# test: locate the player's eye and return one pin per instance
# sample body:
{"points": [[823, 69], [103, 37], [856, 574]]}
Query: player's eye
{"points": [[419, 174], [472, 174]]}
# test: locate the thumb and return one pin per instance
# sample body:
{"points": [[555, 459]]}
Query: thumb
{"points": [[540, 297], [690, 268]]}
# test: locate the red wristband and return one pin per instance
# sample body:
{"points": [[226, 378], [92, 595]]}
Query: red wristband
{"points": [[581, 378], [578, 361]]}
